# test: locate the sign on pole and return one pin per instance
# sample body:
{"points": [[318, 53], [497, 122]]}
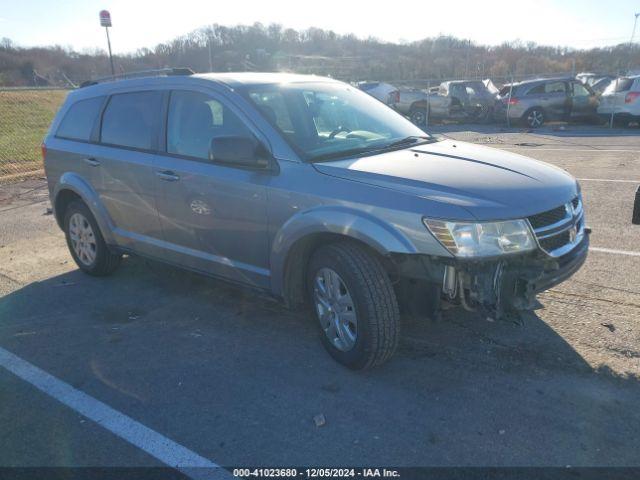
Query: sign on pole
{"points": [[105, 18], [105, 21]]}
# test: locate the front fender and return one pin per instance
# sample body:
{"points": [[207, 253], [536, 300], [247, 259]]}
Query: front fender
{"points": [[356, 224], [71, 181]]}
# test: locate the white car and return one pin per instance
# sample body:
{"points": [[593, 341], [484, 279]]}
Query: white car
{"points": [[622, 97]]}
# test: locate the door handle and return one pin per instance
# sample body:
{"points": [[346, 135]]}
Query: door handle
{"points": [[92, 162], [168, 176]]}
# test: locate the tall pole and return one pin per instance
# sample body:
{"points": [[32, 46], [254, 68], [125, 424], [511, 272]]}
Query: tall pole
{"points": [[633, 32], [210, 56], [113, 71]]}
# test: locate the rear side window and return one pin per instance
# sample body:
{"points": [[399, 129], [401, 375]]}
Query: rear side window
{"points": [[80, 119], [555, 87], [130, 120], [538, 89]]}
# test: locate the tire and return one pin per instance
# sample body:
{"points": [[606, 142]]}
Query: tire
{"points": [[418, 116], [534, 117], [85, 241], [374, 303]]}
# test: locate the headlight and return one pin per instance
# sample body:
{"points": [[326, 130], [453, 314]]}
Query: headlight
{"points": [[482, 239]]}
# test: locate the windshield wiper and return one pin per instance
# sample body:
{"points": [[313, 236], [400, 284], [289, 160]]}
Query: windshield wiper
{"points": [[408, 141], [372, 149], [342, 154]]}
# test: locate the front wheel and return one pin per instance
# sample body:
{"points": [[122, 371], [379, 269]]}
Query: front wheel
{"points": [[534, 118], [355, 305]]}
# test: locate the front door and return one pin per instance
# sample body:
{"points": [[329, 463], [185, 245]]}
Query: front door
{"points": [[214, 216]]}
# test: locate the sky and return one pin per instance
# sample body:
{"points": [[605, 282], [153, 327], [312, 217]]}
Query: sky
{"points": [[145, 23]]}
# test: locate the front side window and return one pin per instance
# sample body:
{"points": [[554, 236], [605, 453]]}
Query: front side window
{"points": [[130, 119], [79, 120], [326, 120], [195, 119]]}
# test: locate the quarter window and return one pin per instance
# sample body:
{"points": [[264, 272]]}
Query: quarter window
{"points": [[79, 120], [195, 119], [130, 118]]}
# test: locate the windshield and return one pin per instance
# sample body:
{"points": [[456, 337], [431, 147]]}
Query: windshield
{"points": [[329, 120]]}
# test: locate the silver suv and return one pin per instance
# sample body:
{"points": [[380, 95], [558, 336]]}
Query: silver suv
{"points": [[536, 101], [310, 189]]}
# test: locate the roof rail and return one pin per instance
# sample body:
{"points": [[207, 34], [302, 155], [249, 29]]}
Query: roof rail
{"points": [[140, 74]]}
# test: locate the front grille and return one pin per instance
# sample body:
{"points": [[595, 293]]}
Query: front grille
{"points": [[575, 202], [558, 230], [553, 243], [548, 218]]}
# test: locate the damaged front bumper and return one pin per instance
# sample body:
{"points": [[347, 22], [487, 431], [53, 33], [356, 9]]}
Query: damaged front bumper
{"points": [[497, 287]]}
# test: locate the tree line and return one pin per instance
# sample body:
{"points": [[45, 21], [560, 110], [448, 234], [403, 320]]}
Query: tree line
{"points": [[261, 47]]}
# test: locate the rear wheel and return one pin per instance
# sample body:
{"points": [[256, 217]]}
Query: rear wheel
{"points": [[534, 117], [418, 116], [85, 241], [355, 305]]}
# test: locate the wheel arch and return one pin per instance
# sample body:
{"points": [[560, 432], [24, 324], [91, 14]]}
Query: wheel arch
{"points": [[73, 187], [297, 240]]}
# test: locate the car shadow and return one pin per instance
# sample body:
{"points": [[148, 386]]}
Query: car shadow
{"points": [[204, 360]]}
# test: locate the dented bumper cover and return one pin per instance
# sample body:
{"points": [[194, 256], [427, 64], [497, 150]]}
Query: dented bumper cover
{"points": [[497, 286]]}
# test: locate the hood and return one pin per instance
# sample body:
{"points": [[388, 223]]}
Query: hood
{"points": [[490, 184]]}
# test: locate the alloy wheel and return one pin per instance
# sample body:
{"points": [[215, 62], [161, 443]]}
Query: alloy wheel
{"points": [[335, 308], [83, 239]]}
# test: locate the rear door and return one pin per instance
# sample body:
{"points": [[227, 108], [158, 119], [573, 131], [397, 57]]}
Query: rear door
{"points": [[125, 156], [214, 215]]}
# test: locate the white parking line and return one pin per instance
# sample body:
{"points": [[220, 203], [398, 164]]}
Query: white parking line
{"points": [[158, 446], [568, 149], [607, 180], [616, 252]]}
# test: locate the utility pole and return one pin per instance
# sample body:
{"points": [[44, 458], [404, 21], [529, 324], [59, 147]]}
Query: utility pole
{"points": [[633, 32], [105, 21]]}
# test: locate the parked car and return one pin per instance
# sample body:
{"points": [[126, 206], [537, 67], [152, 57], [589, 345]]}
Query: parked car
{"points": [[534, 102], [622, 97], [467, 100], [386, 93], [309, 189]]}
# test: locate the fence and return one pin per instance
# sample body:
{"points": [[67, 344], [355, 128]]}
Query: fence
{"points": [[25, 115]]}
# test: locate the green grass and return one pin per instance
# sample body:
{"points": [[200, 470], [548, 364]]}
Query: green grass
{"points": [[25, 116]]}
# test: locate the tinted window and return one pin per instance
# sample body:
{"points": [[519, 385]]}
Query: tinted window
{"points": [[79, 119], [195, 119], [129, 119]]}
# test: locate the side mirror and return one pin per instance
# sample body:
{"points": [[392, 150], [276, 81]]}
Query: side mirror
{"points": [[238, 150]]}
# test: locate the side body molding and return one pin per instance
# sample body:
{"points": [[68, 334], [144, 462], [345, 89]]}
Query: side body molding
{"points": [[75, 183], [357, 224]]}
